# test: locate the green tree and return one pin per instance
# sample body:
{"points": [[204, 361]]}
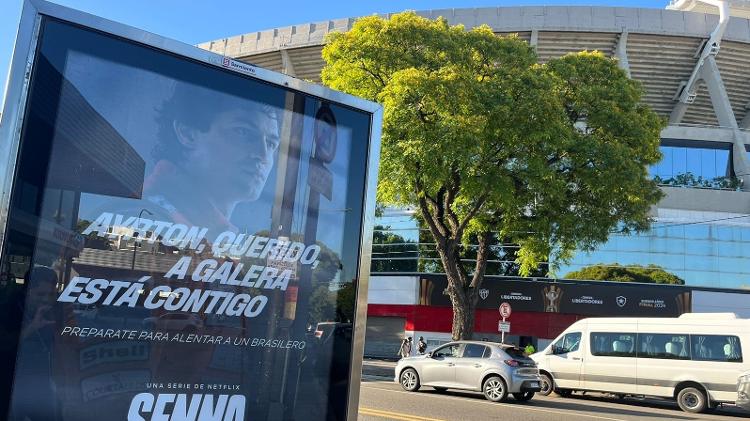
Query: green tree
{"points": [[484, 141], [650, 274], [346, 297], [322, 305]]}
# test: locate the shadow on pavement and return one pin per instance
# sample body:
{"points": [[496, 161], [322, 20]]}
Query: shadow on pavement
{"points": [[623, 407]]}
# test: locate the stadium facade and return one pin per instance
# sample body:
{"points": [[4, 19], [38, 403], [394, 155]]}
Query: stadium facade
{"points": [[692, 59]]}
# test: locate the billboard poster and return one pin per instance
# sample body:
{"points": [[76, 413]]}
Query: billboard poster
{"points": [[586, 298], [183, 241]]}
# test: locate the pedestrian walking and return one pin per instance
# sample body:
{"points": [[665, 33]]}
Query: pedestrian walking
{"points": [[405, 349], [421, 346]]}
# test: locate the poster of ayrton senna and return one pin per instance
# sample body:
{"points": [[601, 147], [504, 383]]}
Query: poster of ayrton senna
{"points": [[184, 234]]}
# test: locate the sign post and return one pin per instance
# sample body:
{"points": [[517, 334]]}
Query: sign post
{"points": [[504, 327]]}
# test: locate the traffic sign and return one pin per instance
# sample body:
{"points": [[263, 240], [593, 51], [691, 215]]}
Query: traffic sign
{"points": [[503, 327], [505, 310]]}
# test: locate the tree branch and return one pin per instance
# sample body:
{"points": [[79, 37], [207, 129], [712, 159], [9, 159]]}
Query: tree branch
{"points": [[372, 73], [482, 257], [438, 229], [472, 213], [453, 187]]}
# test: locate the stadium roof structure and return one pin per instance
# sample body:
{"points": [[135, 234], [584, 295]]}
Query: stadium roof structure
{"points": [[693, 64], [738, 8], [661, 48]]}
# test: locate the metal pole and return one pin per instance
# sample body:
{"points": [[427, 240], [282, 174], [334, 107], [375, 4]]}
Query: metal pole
{"points": [[136, 234]]}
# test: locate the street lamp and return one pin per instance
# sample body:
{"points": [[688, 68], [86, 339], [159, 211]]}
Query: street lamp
{"points": [[135, 235]]}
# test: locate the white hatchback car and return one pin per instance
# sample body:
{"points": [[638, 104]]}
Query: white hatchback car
{"points": [[494, 369]]}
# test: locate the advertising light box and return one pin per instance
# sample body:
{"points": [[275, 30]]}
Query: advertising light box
{"points": [[185, 236]]}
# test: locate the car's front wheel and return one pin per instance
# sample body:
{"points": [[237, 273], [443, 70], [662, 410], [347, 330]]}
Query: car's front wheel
{"points": [[547, 385], [494, 389], [523, 396], [409, 380]]}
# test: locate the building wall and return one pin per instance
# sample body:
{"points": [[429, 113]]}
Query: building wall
{"points": [[721, 302]]}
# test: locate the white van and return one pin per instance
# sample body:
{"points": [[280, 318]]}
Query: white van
{"points": [[694, 359]]}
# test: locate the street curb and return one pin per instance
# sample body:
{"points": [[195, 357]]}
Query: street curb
{"points": [[376, 378]]}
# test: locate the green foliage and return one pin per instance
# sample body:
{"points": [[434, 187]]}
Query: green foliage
{"points": [[328, 306], [386, 245], [322, 305], [346, 297], [484, 141], [650, 274], [92, 240], [689, 179]]}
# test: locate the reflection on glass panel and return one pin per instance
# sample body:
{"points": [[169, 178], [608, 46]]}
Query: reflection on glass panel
{"points": [[718, 258], [695, 164], [194, 205]]}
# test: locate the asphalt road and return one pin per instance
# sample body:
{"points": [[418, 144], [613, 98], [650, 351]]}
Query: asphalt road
{"points": [[385, 400]]}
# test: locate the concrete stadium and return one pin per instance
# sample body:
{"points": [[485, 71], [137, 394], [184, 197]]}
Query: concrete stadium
{"points": [[692, 59]]}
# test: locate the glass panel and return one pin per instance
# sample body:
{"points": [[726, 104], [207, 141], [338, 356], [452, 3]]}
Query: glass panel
{"points": [[716, 348], [568, 343], [448, 351], [666, 346], [474, 351], [685, 164], [176, 223], [613, 344]]}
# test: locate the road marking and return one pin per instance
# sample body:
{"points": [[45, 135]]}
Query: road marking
{"points": [[524, 408], [394, 415]]}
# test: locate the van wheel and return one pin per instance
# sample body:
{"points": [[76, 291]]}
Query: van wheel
{"points": [[494, 389], [409, 380], [691, 399], [547, 385]]}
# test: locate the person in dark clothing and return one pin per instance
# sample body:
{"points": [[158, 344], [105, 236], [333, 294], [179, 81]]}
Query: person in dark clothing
{"points": [[421, 346]]}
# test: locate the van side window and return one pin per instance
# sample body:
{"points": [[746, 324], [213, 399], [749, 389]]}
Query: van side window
{"points": [[716, 348], [663, 345], [610, 344], [568, 343]]}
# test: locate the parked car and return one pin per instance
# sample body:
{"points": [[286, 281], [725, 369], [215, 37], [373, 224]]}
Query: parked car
{"points": [[694, 359], [743, 391], [494, 369]]}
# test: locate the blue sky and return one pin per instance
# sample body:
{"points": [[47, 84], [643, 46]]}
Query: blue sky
{"points": [[198, 21]]}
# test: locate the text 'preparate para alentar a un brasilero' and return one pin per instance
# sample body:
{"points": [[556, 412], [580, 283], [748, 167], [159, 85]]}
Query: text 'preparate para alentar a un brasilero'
{"points": [[271, 269]]}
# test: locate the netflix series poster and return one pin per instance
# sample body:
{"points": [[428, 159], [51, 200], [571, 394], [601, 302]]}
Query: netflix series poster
{"points": [[182, 241]]}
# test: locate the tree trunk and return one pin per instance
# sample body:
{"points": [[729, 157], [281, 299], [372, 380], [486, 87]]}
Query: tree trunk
{"points": [[447, 231], [464, 310], [463, 289]]}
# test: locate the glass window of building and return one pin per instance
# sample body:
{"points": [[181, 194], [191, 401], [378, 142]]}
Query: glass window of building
{"points": [[702, 164]]}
